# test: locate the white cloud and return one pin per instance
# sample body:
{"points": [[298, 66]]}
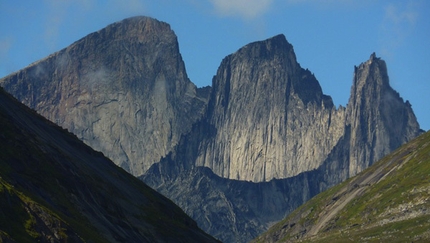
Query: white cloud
{"points": [[5, 64], [398, 23], [400, 15], [5, 45], [247, 9], [56, 13], [62, 12], [320, 1], [329, 4]]}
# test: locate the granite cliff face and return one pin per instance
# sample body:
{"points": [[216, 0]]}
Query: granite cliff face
{"points": [[270, 115], [123, 90], [268, 118], [54, 188], [379, 119]]}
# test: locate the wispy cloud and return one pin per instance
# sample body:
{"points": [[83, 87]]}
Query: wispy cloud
{"points": [[318, 1], [398, 15], [64, 12], [322, 2], [398, 23], [56, 13], [60, 11], [246, 9], [5, 47], [95, 78]]}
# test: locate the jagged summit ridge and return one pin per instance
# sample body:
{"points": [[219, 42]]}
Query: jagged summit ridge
{"points": [[379, 118], [361, 73], [265, 117], [267, 48], [258, 94], [134, 27], [258, 126]]}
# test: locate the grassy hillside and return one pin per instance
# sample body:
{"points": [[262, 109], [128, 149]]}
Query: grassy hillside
{"points": [[388, 202]]}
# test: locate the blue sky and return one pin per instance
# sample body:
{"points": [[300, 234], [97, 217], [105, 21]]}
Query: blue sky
{"points": [[329, 36]]}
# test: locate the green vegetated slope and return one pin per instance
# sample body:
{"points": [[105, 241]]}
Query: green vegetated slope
{"points": [[54, 188], [388, 202]]}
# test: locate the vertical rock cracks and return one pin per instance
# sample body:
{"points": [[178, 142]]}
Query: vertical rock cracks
{"points": [[264, 132]]}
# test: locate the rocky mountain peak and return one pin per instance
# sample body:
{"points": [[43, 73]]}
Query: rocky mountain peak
{"points": [[144, 28], [250, 67], [269, 64], [268, 48], [372, 72], [268, 118], [123, 90], [377, 114], [258, 95]]}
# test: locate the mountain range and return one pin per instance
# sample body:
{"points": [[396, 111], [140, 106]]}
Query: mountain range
{"points": [[237, 156]]}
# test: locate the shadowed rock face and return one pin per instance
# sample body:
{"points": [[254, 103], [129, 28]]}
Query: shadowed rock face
{"points": [[231, 210], [123, 90], [54, 188], [267, 118]]}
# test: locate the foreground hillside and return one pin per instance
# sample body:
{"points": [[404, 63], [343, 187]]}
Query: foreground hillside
{"points": [[264, 138], [389, 202], [53, 188]]}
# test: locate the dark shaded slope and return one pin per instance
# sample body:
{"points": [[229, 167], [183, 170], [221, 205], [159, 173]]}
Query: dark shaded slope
{"points": [[231, 210], [124, 91], [388, 202], [53, 187]]}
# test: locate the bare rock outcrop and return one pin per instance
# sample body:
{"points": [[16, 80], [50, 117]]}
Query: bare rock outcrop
{"points": [[379, 118], [268, 118], [245, 152], [271, 117], [123, 90]]}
